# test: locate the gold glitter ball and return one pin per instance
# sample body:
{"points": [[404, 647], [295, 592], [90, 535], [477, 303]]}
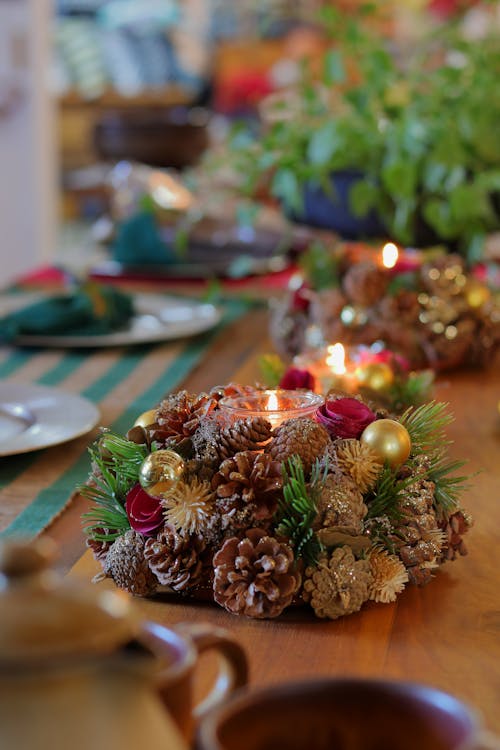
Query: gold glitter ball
{"points": [[160, 472], [389, 440], [377, 376]]}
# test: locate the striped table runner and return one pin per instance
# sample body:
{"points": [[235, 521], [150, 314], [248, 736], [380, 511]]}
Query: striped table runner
{"points": [[122, 382]]}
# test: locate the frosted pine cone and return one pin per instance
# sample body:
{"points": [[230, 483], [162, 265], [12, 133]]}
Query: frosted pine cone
{"points": [[338, 585], [126, 564], [175, 560], [359, 462], [303, 437], [179, 415], [100, 548], [340, 504], [247, 489], [365, 284], [244, 435], [255, 576]]}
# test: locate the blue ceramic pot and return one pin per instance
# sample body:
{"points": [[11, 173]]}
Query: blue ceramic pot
{"points": [[326, 211]]}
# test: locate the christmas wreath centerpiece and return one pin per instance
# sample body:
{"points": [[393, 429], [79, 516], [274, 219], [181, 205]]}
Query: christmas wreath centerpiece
{"points": [[332, 510], [430, 308]]}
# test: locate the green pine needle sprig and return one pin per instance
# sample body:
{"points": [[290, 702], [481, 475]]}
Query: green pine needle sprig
{"points": [[426, 425], [297, 511], [385, 499], [116, 463]]}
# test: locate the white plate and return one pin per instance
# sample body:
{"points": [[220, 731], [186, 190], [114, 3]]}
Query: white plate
{"points": [[157, 318], [34, 416]]}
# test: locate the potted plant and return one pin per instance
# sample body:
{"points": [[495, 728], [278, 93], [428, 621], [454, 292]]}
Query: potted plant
{"points": [[411, 150]]}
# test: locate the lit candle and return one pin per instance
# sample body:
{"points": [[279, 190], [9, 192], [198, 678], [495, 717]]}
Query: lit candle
{"points": [[330, 368], [398, 262], [274, 405]]}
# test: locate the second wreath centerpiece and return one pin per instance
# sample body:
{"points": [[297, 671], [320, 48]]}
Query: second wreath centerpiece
{"points": [[266, 499]]}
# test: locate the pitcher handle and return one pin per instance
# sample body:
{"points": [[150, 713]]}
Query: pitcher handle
{"points": [[233, 668]]}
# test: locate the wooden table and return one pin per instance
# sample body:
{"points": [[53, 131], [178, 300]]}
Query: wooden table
{"points": [[446, 634]]}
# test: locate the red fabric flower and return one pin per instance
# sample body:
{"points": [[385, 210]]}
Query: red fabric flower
{"points": [[293, 379], [144, 512], [345, 417]]}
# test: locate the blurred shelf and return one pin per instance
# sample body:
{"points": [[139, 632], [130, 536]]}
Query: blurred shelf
{"points": [[168, 96]]}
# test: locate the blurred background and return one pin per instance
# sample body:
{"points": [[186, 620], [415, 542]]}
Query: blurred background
{"points": [[86, 84]]}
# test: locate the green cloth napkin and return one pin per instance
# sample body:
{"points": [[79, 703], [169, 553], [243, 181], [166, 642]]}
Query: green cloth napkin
{"points": [[90, 309], [138, 242]]}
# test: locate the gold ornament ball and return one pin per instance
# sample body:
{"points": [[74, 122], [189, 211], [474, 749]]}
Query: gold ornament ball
{"points": [[377, 376], [146, 418], [477, 294], [160, 472], [389, 440]]}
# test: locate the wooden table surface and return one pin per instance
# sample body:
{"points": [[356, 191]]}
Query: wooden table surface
{"points": [[446, 634]]}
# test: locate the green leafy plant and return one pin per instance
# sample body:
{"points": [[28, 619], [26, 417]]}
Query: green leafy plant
{"points": [[420, 137]]}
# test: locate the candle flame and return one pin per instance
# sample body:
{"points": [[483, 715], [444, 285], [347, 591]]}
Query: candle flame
{"points": [[336, 359], [272, 402], [390, 255]]}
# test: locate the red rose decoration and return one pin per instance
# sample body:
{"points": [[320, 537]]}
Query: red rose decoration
{"points": [[345, 417], [294, 379], [144, 512]]}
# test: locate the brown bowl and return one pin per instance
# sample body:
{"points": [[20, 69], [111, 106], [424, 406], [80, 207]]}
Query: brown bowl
{"points": [[164, 137], [341, 714]]}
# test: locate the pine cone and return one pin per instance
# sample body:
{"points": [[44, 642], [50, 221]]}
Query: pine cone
{"points": [[126, 565], [326, 306], [365, 284], [255, 576], [418, 538], [244, 435], [178, 417], [99, 548], [303, 437], [174, 559], [287, 329], [454, 528], [340, 504], [247, 487], [338, 585], [359, 462]]}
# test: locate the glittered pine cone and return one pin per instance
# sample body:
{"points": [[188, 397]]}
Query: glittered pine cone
{"points": [[340, 504], [175, 560], [255, 576], [338, 585], [418, 538], [364, 283], [302, 437], [244, 435], [126, 564], [247, 488]]}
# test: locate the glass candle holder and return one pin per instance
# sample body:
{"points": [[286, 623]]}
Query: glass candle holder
{"points": [[274, 405], [348, 368]]}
